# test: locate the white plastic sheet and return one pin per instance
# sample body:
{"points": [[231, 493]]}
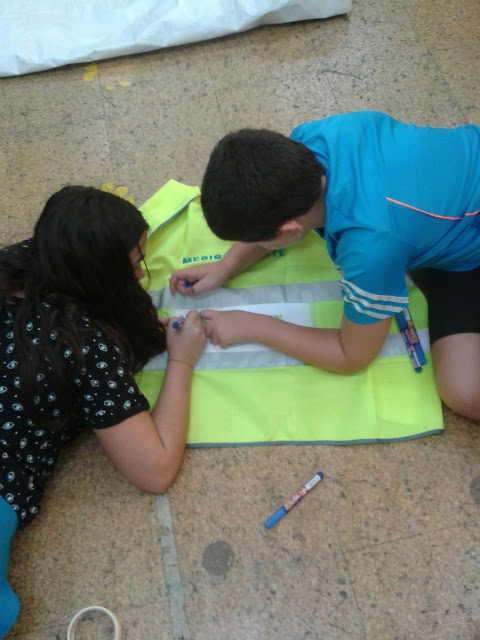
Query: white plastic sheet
{"points": [[43, 34]]}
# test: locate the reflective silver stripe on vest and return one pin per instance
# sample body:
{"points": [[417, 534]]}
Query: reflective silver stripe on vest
{"points": [[304, 292], [263, 357]]}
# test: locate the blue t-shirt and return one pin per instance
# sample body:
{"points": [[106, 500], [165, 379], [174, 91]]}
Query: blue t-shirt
{"points": [[398, 197]]}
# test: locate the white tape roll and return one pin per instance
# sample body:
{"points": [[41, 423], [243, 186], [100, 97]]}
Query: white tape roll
{"points": [[78, 616]]}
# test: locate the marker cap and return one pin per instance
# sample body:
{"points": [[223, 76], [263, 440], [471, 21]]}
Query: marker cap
{"points": [[278, 515]]}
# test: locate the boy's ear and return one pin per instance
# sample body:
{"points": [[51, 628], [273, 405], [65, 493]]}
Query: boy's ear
{"points": [[292, 227]]}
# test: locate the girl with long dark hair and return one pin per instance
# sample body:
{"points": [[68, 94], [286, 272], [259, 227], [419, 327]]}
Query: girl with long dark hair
{"points": [[75, 326]]}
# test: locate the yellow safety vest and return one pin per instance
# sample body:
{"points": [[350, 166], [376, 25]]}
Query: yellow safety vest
{"points": [[250, 394]]}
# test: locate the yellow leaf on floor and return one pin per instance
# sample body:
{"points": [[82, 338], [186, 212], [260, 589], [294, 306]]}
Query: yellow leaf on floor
{"points": [[92, 70]]}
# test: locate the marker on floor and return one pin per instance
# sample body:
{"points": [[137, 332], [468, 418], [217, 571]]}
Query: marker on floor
{"points": [[291, 502]]}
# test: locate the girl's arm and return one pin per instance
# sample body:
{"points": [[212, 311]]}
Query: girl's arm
{"points": [[148, 448]]}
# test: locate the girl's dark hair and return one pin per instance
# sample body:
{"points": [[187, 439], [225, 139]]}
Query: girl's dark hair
{"points": [[77, 264], [255, 181]]}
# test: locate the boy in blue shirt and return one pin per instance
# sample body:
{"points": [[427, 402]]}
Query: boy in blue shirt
{"points": [[388, 198]]}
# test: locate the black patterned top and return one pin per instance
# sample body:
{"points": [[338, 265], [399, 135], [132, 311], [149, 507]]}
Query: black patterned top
{"points": [[106, 394]]}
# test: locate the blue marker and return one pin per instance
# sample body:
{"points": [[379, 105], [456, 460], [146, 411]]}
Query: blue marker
{"points": [[187, 283], [412, 354], [291, 502], [178, 324], [414, 339]]}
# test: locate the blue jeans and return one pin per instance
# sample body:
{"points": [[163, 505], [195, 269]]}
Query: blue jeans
{"points": [[9, 603]]}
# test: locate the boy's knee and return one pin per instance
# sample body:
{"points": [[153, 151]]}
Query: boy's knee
{"points": [[9, 608], [464, 401]]}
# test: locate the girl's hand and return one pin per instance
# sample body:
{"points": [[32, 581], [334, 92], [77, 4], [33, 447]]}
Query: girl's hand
{"points": [[186, 343], [225, 328], [202, 278]]}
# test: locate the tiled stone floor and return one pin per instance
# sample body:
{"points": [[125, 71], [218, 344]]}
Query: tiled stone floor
{"points": [[388, 548]]}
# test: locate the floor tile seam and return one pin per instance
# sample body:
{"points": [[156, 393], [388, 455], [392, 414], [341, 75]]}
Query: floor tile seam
{"points": [[347, 564], [215, 92], [222, 92], [415, 536], [168, 100], [274, 79], [352, 587], [171, 569], [113, 166]]}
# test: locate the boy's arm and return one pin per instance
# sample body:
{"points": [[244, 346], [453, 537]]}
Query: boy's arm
{"points": [[241, 256], [345, 350], [204, 277]]}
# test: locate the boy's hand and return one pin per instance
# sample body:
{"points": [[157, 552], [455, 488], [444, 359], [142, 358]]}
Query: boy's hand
{"points": [[201, 278], [225, 328]]}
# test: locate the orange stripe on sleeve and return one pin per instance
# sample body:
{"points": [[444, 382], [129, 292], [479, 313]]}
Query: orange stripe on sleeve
{"points": [[433, 215]]}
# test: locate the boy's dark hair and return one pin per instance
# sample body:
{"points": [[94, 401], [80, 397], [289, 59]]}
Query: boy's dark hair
{"points": [[77, 264], [255, 181]]}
